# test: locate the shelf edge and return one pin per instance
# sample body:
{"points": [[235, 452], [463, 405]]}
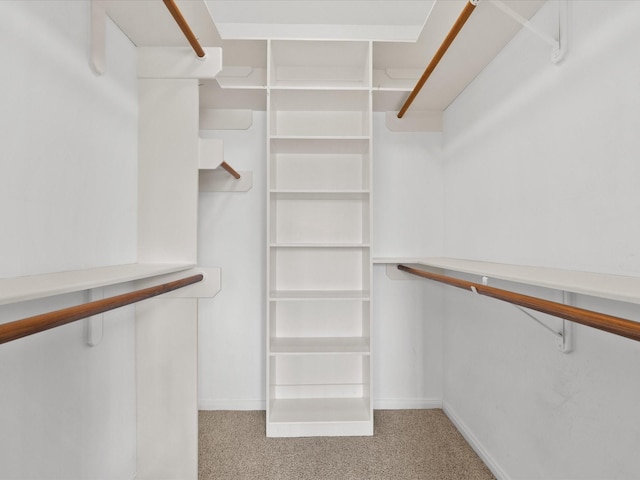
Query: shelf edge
{"points": [[33, 287]]}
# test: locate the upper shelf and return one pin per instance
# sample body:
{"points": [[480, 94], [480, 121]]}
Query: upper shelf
{"points": [[613, 287], [397, 66]]}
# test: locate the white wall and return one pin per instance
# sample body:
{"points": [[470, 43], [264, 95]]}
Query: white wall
{"points": [[408, 201], [232, 235], [407, 342], [542, 169], [546, 155], [68, 180], [408, 192], [68, 146]]}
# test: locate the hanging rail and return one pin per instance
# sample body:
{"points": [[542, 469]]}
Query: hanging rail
{"points": [[184, 26], [601, 321], [231, 170], [446, 43], [39, 323]]}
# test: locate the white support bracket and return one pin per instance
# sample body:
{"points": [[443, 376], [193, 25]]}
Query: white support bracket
{"points": [[94, 326], [567, 326], [558, 45], [564, 338]]}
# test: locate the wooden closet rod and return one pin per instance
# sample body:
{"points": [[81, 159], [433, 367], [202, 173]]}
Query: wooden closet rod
{"points": [[39, 323], [601, 321], [231, 170], [446, 43], [184, 26]]}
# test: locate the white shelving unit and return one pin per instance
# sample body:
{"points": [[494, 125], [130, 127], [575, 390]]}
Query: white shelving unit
{"points": [[319, 232]]}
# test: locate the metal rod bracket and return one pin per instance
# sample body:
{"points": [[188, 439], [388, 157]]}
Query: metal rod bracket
{"points": [[563, 338]]}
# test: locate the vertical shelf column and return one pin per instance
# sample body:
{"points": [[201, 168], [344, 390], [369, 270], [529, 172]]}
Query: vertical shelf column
{"points": [[167, 328], [319, 231]]}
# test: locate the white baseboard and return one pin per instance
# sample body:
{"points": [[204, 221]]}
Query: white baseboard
{"points": [[475, 443], [378, 404], [406, 403], [231, 404]]}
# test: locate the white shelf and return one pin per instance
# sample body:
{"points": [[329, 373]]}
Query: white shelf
{"points": [[320, 245], [307, 137], [323, 194], [242, 78], [319, 113], [320, 171], [246, 97], [316, 144], [25, 288], [315, 345], [320, 100], [313, 86], [313, 269], [399, 65], [292, 295], [320, 410], [613, 287], [313, 219]]}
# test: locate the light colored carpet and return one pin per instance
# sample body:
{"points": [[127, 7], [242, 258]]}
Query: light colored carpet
{"points": [[407, 445]]}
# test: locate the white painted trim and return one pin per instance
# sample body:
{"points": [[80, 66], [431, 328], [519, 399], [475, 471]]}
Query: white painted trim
{"points": [[406, 403], [231, 404], [379, 404], [475, 443]]}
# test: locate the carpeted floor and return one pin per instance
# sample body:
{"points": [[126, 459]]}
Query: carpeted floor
{"points": [[407, 445]]}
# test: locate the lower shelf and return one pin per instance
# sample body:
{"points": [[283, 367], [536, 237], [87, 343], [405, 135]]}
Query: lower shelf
{"points": [[328, 345], [320, 417]]}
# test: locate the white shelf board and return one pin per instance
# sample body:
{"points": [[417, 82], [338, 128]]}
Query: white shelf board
{"points": [[326, 145], [307, 410], [315, 345], [320, 194], [315, 86], [319, 245], [247, 97], [20, 289], [486, 32], [242, 78], [320, 99], [319, 137], [293, 295], [391, 260], [323, 193], [613, 287]]}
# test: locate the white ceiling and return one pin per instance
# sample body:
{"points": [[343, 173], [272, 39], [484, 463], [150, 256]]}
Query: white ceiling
{"points": [[382, 20]]}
